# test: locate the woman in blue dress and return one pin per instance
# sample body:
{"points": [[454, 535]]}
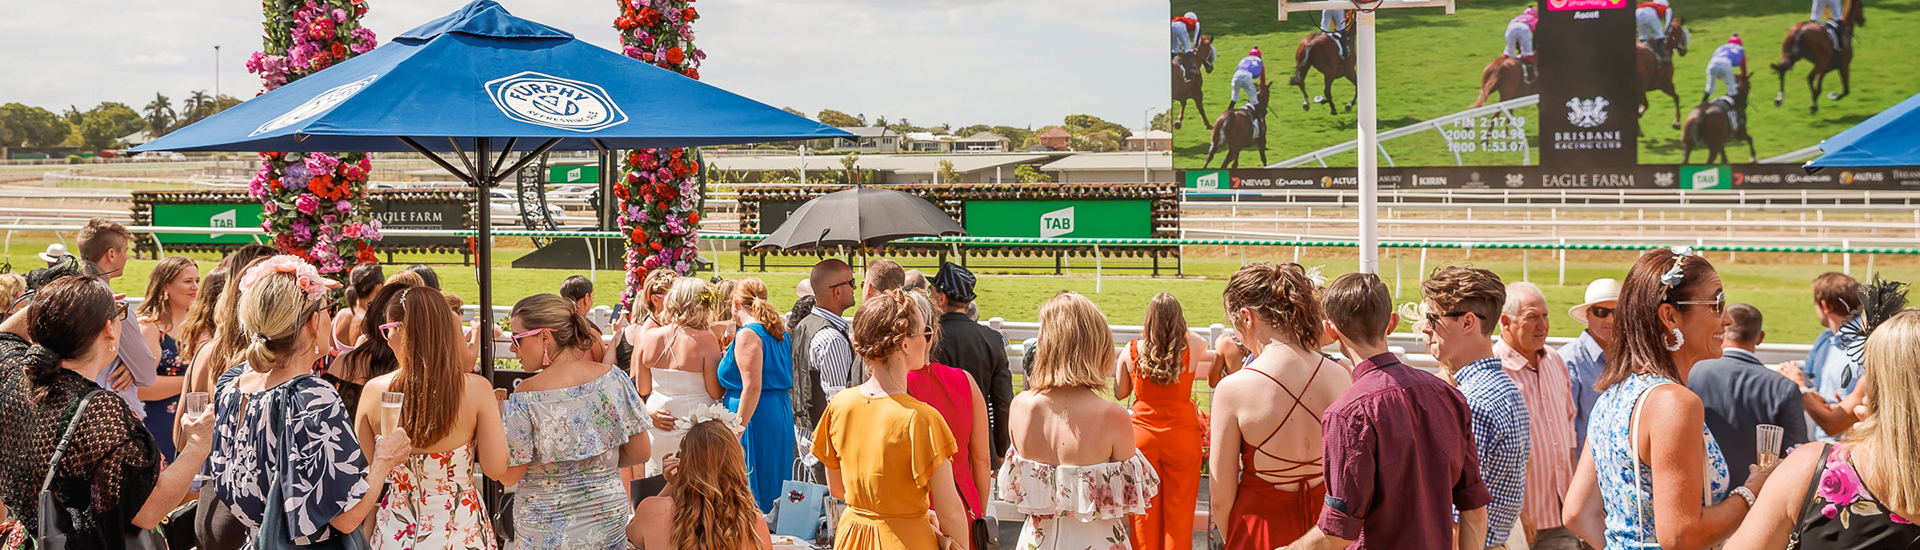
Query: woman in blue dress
{"points": [[171, 288], [1653, 476], [757, 370]]}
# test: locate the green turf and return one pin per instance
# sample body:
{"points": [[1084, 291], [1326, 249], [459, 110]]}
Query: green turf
{"points": [[1430, 64]]}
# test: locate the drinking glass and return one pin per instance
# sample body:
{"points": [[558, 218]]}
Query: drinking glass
{"points": [[390, 410], [195, 402], [1769, 441]]}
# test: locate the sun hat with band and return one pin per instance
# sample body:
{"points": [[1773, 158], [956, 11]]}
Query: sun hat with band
{"points": [[1598, 292]]}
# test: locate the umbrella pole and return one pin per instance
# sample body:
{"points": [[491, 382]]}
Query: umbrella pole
{"points": [[483, 246]]}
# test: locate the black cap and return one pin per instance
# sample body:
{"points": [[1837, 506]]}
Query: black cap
{"points": [[954, 281]]}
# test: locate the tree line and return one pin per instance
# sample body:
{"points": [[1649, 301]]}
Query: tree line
{"points": [[1089, 133], [105, 125]]}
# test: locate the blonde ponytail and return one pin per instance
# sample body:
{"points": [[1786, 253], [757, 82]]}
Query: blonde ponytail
{"points": [[751, 293], [271, 314], [550, 311]]}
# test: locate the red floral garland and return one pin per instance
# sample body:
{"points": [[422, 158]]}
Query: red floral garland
{"points": [[315, 203], [658, 191]]}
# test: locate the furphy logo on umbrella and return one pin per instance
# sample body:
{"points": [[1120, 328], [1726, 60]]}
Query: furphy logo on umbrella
{"points": [[1056, 223], [555, 102], [319, 104]]}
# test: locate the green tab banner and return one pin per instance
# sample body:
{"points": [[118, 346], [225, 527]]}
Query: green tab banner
{"points": [[1062, 219], [211, 216], [587, 173]]}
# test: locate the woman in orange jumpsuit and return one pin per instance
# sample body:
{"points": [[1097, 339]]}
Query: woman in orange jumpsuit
{"points": [[1161, 365]]}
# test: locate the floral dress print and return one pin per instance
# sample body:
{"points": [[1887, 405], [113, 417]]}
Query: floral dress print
{"points": [[325, 474], [1626, 483], [1077, 507], [572, 496], [431, 502], [1841, 513]]}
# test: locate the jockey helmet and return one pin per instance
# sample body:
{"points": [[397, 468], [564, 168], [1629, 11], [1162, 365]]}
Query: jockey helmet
{"points": [[1735, 40], [1254, 52], [1190, 15]]}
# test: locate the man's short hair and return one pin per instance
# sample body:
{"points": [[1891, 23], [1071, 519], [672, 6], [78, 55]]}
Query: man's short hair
{"points": [[1839, 292], [1359, 305], [823, 276], [575, 288], [915, 280], [101, 235], [1471, 289], [1745, 323], [1517, 289], [885, 275]]}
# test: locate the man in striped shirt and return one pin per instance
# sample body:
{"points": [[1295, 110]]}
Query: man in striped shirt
{"points": [[1462, 307], [1542, 377]]}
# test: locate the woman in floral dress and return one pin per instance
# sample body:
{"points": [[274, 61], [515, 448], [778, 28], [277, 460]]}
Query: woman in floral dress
{"points": [[432, 501], [327, 482], [569, 429], [1073, 469]]}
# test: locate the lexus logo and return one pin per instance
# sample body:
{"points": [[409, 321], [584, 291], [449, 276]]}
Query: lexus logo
{"points": [[1587, 113]]}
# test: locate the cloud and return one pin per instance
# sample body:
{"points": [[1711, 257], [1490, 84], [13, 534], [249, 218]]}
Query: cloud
{"points": [[1011, 62]]}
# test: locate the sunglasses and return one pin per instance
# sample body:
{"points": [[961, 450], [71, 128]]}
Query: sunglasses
{"points": [[120, 312], [386, 330], [1598, 312], [929, 336], [1718, 303], [848, 283], [1433, 319], [515, 346]]}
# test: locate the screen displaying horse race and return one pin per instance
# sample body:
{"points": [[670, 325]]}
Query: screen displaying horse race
{"points": [[1548, 94]]}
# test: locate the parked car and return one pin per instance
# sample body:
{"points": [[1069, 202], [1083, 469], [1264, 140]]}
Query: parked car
{"points": [[505, 205], [159, 156]]}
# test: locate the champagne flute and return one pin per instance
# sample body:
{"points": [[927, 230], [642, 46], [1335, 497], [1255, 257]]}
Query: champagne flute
{"points": [[390, 410], [1769, 444]]}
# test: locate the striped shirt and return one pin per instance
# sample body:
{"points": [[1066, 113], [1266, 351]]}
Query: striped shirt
{"points": [[832, 356], [1501, 438], [1550, 467]]}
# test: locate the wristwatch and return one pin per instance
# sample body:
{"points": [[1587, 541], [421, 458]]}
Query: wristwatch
{"points": [[1745, 493]]}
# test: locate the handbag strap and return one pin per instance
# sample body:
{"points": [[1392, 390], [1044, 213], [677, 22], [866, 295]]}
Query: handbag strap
{"points": [[60, 449]]}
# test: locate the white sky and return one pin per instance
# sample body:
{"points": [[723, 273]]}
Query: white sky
{"points": [[1000, 62]]}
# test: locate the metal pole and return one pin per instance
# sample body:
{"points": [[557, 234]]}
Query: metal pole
{"points": [[1146, 159], [803, 163], [1369, 146], [216, 75], [483, 249]]}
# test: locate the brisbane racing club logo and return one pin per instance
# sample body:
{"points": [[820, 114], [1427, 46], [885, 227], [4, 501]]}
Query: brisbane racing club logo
{"points": [[555, 102], [324, 102], [1587, 113]]}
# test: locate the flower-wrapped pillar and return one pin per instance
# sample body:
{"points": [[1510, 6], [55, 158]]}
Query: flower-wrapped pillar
{"points": [[315, 203], [658, 189]]}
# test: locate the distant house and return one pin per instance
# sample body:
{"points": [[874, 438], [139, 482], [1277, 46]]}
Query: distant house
{"points": [[927, 142], [899, 168], [1152, 140], [867, 139], [1111, 168], [1056, 139], [983, 142]]}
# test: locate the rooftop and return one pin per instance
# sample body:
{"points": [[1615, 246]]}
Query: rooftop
{"points": [[1157, 160]]}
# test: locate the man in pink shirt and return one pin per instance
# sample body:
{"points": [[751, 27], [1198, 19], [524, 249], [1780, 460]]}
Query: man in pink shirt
{"points": [[1543, 380]]}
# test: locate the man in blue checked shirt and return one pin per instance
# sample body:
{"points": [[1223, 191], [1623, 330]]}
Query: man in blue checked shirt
{"points": [[1462, 305]]}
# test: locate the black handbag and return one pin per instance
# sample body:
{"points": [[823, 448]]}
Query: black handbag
{"points": [[273, 534], [55, 524], [984, 530]]}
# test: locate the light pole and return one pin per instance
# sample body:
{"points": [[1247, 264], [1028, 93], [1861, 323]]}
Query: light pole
{"points": [[1146, 159], [216, 74]]}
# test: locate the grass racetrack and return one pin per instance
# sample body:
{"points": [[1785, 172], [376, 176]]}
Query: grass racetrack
{"points": [[1430, 63]]}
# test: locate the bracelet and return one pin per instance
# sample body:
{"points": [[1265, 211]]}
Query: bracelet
{"points": [[1745, 493]]}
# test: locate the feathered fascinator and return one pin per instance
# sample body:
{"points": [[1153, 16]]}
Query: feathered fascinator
{"points": [[1879, 301]]}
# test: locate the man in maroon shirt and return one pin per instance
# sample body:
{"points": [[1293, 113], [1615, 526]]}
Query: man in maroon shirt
{"points": [[1399, 446]]}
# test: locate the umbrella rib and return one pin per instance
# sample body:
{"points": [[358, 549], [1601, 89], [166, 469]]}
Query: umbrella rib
{"points": [[463, 157], [495, 169], [528, 158], [436, 159]]}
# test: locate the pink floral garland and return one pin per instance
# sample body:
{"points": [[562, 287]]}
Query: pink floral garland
{"points": [[315, 203], [658, 189]]}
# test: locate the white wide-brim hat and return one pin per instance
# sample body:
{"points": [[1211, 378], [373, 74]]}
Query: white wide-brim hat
{"points": [[1598, 291], [55, 252]]}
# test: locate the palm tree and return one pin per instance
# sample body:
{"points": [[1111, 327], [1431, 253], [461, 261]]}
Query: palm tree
{"points": [[160, 115], [199, 105]]}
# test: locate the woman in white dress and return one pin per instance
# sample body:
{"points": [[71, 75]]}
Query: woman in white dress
{"points": [[673, 364]]}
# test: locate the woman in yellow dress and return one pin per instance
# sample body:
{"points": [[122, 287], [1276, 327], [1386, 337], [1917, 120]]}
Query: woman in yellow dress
{"points": [[900, 455]]}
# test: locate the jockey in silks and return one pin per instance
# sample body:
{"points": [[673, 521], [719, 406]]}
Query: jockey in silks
{"points": [[1720, 71], [1520, 42], [1651, 18], [1186, 35], [1244, 76], [1829, 13], [1334, 23]]}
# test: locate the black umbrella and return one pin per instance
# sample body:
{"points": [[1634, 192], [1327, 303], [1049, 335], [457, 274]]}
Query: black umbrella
{"points": [[860, 216]]}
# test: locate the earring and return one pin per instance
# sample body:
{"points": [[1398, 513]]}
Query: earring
{"points": [[316, 349], [543, 358], [1678, 340]]}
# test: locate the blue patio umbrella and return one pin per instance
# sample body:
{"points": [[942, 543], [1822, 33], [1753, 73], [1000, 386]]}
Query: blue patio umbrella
{"points": [[1891, 138], [482, 82]]}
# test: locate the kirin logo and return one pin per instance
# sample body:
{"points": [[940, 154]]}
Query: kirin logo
{"points": [[1587, 113]]}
